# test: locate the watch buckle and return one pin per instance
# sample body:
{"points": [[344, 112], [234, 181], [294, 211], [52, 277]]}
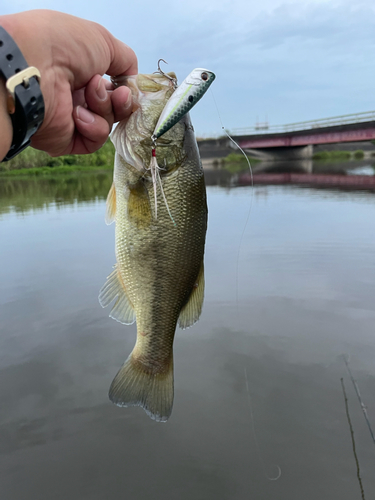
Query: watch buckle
{"points": [[20, 78]]}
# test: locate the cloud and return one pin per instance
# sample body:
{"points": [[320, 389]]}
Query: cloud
{"points": [[327, 24], [291, 60]]}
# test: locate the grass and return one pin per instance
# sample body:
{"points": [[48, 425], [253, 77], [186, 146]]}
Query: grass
{"points": [[52, 171], [236, 168], [236, 163], [359, 154], [332, 155], [239, 158], [339, 155], [32, 162]]}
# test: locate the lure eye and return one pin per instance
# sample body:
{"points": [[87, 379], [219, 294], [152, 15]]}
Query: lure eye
{"points": [[190, 98], [204, 76]]}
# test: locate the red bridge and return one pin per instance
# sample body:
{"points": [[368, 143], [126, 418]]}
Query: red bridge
{"points": [[346, 128], [302, 136]]}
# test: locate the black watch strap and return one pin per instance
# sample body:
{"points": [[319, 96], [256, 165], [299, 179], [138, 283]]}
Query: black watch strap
{"points": [[25, 99]]}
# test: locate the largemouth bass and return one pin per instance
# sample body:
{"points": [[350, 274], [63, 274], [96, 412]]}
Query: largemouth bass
{"points": [[158, 279]]}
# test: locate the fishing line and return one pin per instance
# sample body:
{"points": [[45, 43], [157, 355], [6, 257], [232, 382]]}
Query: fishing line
{"points": [[363, 406], [251, 198], [353, 440], [237, 274], [255, 436], [164, 198]]}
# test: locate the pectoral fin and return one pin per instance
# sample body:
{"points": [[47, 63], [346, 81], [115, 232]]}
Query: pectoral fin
{"points": [[139, 207], [113, 288], [110, 212], [192, 309]]}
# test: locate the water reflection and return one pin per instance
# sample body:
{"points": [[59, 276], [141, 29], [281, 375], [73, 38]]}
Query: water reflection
{"points": [[348, 175], [25, 194], [21, 195], [303, 297]]}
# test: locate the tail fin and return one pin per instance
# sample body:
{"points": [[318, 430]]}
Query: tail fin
{"points": [[134, 386]]}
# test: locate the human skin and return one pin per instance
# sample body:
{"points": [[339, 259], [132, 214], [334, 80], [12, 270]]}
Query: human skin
{"points": [[71, 54]]}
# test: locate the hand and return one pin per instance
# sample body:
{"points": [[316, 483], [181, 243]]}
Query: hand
{"points": [[72, 54]]}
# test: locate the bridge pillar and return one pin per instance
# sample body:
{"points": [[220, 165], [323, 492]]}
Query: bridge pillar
{"points": [[284, 153]]}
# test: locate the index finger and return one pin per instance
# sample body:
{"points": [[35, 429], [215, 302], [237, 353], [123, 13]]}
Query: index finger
{"points": [[123, 58]]}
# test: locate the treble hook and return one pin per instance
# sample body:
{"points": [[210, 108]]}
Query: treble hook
{"points": [[173, 80], [159, 69]]}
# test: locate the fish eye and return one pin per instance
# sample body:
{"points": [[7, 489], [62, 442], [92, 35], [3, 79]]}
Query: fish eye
{"points": [[204, 76]]}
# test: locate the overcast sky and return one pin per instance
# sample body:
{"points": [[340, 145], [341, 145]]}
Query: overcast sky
{"points": [[285, 60]]}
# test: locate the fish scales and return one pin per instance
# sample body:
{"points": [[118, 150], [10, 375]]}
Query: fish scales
{"points": [[159, 272]]}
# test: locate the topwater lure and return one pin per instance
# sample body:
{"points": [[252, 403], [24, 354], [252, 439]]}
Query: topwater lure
{"points": [[186, 95], [179, 104]]}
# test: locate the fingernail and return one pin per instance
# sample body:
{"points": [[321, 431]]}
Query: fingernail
{"points": [[101, 91], [128, 101], [85, 115]]}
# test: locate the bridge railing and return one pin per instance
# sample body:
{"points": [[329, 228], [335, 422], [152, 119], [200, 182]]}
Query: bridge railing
{"points": [[367, 116]]}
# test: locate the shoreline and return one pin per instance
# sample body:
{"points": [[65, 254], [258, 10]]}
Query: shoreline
{"points": [[47, 171]]}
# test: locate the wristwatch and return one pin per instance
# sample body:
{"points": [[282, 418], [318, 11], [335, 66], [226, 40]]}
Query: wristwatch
{"points": [[25, 100]]}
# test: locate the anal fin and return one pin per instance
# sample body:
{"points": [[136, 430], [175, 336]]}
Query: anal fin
{"points": [[113, 288], [191, 311]]}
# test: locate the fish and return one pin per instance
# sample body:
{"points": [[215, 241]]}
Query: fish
{"points": [[158, 278]]}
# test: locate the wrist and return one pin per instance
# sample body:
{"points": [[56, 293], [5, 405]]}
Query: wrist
{"points": [[5, 122], [25, 103], [31, 32]]}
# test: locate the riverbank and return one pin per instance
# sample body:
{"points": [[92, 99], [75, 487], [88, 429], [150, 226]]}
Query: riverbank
{"points": [[53, 171], [359, 154], [32, 162]]}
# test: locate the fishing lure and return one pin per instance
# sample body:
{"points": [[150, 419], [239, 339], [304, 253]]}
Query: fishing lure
{"points": [[186, 95]]}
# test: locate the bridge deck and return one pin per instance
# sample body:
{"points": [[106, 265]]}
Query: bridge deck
{"points": [[353, 132]]}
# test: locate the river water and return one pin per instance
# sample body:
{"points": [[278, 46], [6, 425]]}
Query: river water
{"points": [[257, 379]]}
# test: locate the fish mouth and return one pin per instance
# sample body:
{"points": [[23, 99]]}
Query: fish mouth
{"points": [[154, 82], [154, 85], [150, 92]]}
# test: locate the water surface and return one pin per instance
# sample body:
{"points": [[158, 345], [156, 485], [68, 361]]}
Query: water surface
{"points": [[285, 299]]}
